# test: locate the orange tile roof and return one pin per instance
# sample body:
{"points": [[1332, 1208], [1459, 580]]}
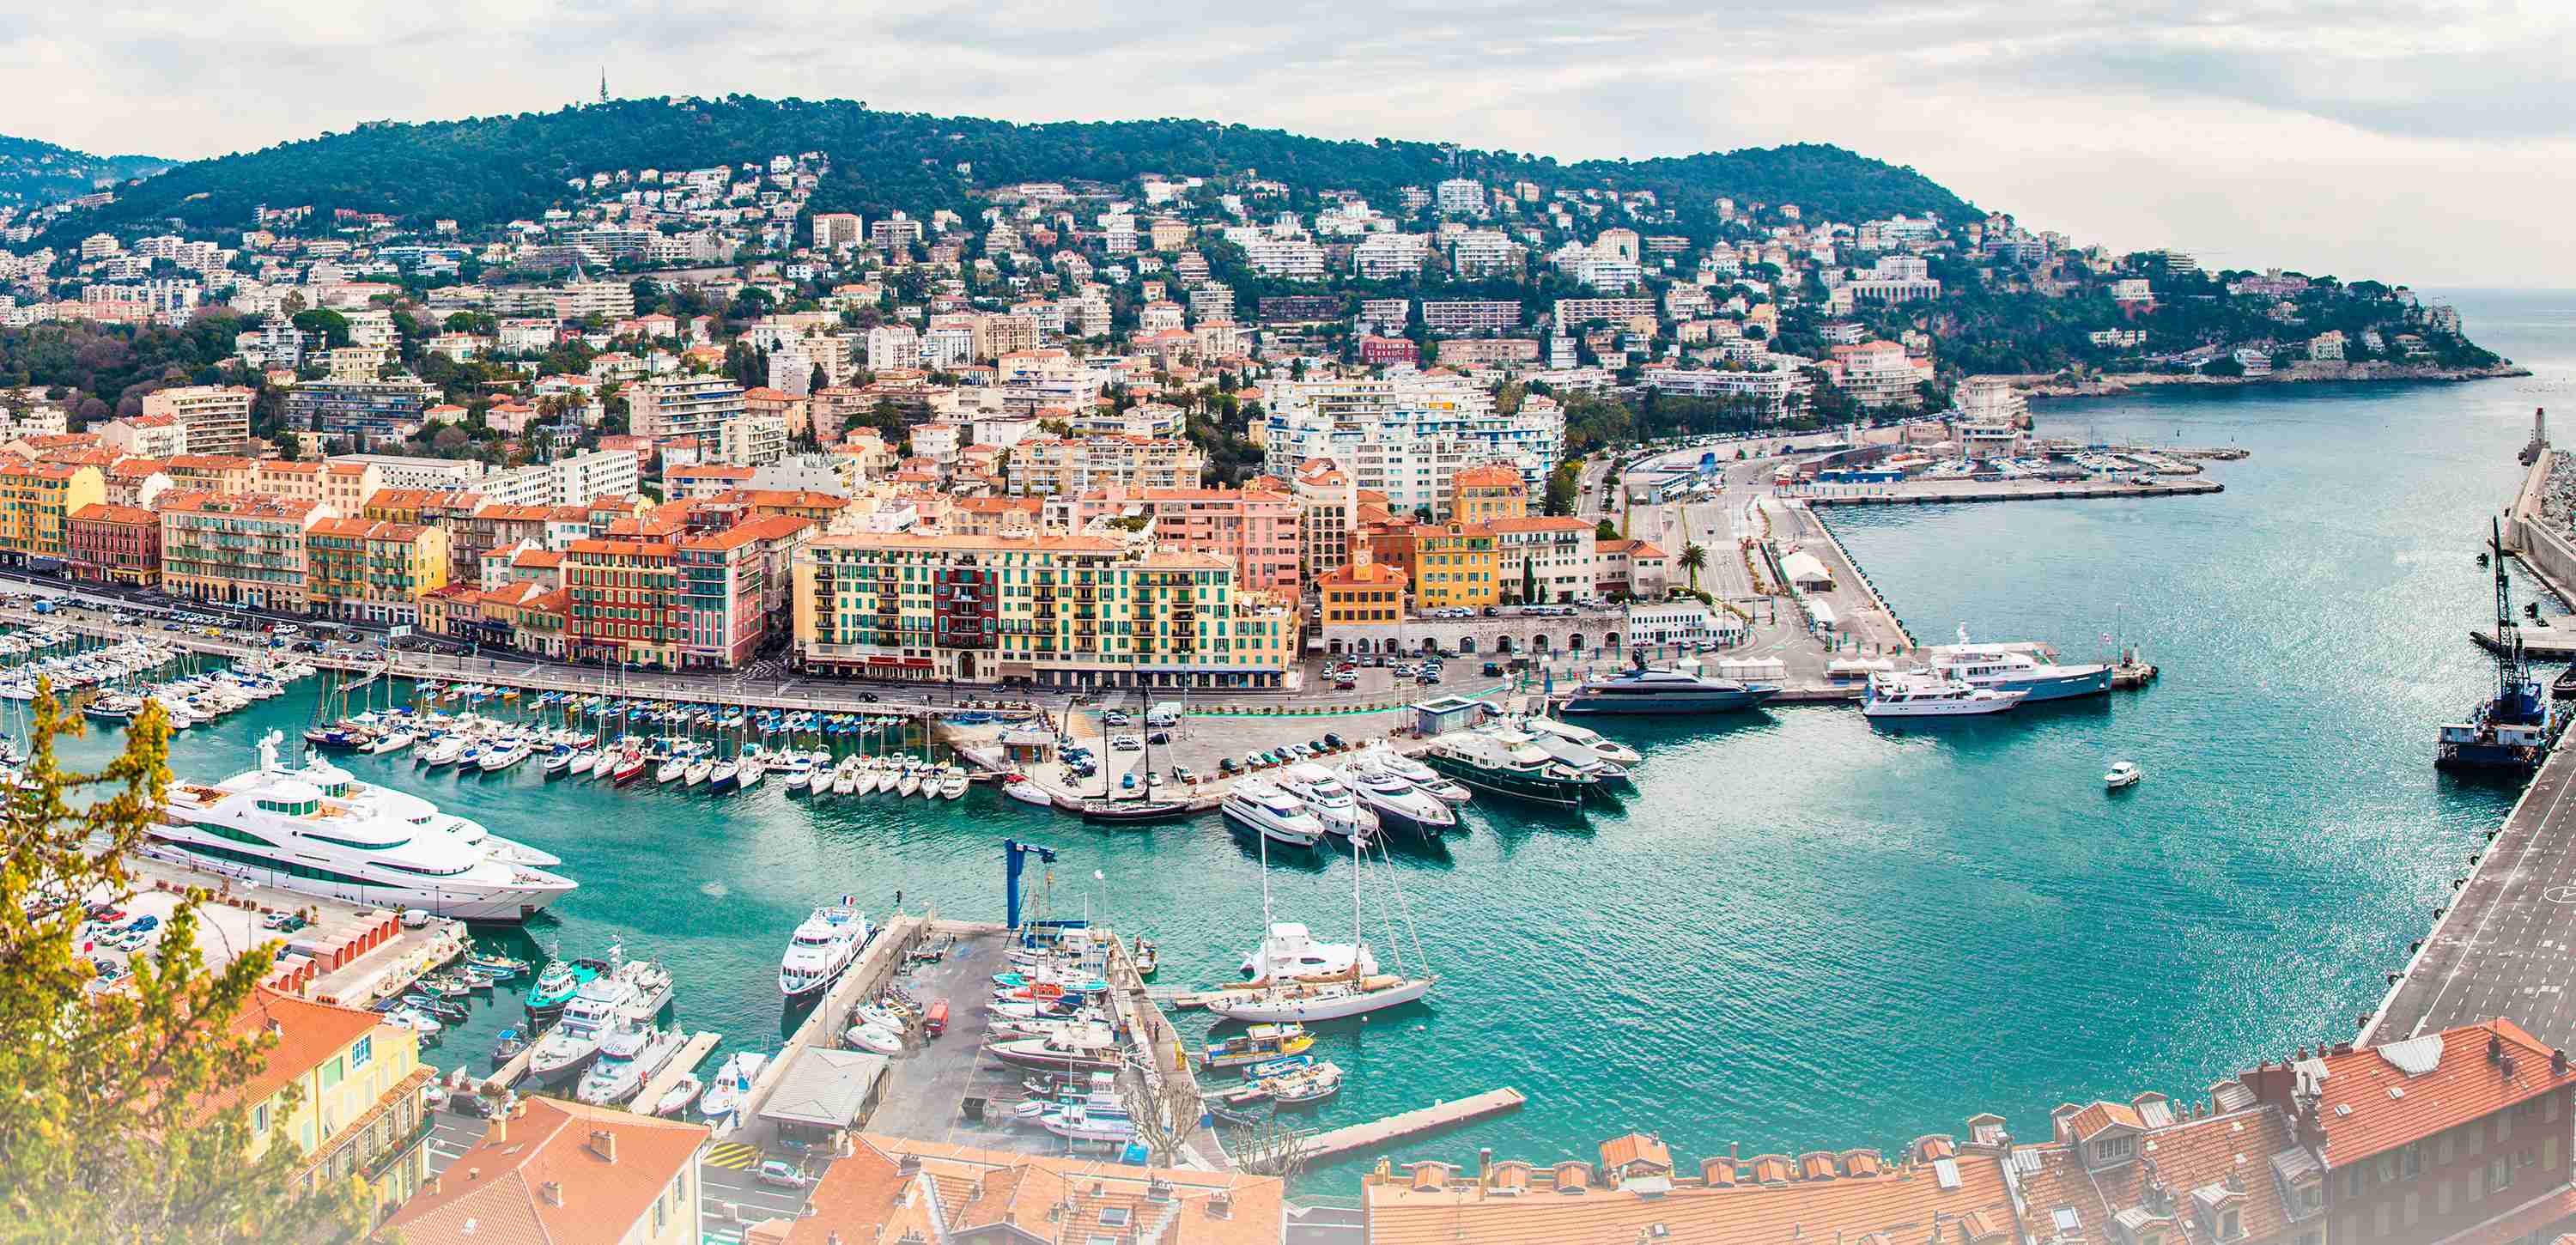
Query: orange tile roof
{"points": [[1488, 475], [775, 527], [1540, 523], [1893, 1205], [2229, 1153], [544, 1178], [102, 512], [246, 505], [307, 1033], [1374, 574], [2362, 1117], [870, 1198]]}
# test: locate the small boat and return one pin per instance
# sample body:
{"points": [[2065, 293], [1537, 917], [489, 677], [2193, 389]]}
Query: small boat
{"points": [[725, 1090], [748, 773], [1148, 957], [697, 772], [581, 763], [1256, 1044], [628, 769], [507, 1046], [877, 1038], [2122, 774], [952, 783], [680, 1095], [1027, 791], [909, 783], [721, 778], [885, 776], [501, 967]]}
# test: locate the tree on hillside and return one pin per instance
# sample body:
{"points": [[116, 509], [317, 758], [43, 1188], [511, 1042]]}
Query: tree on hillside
{"points": [[327, 326], [117, 1123]]}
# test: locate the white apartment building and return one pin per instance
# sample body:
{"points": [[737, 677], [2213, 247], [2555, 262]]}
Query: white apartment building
{"points": [[1407, 433], [752, 440], [217, 417], [682, 406], [1781, 389], [1462, 196], [1481, 253], [1471, 317], [896, 346], [1390, 256], [1293, 259]]}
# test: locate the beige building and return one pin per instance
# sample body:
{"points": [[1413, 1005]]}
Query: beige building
{"points": [[216, 417]]}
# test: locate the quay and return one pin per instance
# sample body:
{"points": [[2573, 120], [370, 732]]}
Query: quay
{"points": [[1931, 493], [1439, 1115]]}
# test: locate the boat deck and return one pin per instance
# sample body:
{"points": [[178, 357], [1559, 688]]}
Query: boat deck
{"points": [[2506, 944], [1492, 1102], [700, 1046]]}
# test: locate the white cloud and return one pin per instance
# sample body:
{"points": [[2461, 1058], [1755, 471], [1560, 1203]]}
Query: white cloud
{"points": [[2424, 143]]}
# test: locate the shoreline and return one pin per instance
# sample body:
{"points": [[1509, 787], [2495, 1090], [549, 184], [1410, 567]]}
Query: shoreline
{"points": [[2055, 385]]}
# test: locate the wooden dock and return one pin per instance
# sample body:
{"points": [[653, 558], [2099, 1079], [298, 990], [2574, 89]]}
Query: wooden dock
{"points": [[1438, 1115], [690, 1056]]}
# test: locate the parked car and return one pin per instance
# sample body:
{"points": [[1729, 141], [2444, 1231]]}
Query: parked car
{"points": [[1158, 737], [781, 1173], [1183, 774], [1115, 717], [1127, 743], [1333, 741], [1228, 766]]}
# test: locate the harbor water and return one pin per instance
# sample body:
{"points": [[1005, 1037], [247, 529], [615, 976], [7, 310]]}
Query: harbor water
{"points": [[1802, 930]]}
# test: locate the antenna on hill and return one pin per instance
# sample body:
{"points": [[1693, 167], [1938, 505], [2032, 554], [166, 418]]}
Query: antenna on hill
{"points": [[603, 84]]}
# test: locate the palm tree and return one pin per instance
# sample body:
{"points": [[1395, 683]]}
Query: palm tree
{"points": [[1694, 560]]}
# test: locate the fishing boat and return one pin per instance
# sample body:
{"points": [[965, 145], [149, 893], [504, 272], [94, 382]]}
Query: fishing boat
{"points": [[556, 985], [1258, 1043], [731, 1083], [501, 967]]}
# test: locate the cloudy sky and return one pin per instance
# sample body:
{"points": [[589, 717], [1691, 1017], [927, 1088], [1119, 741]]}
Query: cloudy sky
{"points": [[2431, 143]]}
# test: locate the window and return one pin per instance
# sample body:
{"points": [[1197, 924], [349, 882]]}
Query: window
{"points": [[2230, 1225], [362, 1051], [1113, 1216], [334, 1071], [259, 1118], [2499, 1173]]}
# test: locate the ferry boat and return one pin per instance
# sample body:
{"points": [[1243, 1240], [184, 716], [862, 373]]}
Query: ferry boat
{"points": [[1642, 689], [1919, 695], [1261, 807], [2031, 669], [1504, 766], [278, 829], [824, 944]]}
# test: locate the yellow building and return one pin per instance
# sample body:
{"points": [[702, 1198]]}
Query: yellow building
{"points": [[1454, 565], [1052, 610], [369, 571], [1486, 492], [357, 1109], [1364, 593], [34, 500]]}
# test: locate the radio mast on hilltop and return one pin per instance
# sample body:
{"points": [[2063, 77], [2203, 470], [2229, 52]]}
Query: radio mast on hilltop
{"points": [[603, 84]]}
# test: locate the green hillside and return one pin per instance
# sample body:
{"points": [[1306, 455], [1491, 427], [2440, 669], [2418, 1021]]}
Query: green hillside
{"points": [[35, 172]]}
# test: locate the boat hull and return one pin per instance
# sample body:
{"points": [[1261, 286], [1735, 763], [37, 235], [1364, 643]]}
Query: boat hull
{"points": [[1689, 702], [1321, 1005], [1536, 789]]}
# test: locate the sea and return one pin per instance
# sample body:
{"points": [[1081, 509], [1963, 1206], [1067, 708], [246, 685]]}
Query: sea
{"points": [[1802, 931]]}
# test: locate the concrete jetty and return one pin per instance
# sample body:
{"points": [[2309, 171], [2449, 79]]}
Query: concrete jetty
{"points": [[1929, 493], [1492, 1102]]}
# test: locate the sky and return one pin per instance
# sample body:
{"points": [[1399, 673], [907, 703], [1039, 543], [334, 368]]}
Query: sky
{"points": [[2432, 143]]}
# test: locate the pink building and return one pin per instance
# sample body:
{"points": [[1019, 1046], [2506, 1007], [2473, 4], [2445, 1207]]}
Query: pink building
{"points": [[1254, 527]]}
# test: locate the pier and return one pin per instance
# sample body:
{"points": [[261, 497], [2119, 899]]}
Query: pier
{"points": [[1325, 1145], [700, 1046], [1942, 492]]}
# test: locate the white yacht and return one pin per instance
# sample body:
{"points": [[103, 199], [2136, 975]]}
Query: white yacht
{"points": [[1921, 695], [1420, 775], [2032, 669], [725, 1090], [1264, 809], [627, 1059], [280, 829], [339, 784], [1329, 799], [1399, 805], [1291, 953], [1585, 737], [821, 947]]}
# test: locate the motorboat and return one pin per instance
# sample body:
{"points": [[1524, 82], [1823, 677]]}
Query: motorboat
{"points": [[671, 770], [2031, 669], [1641, 689], [823, 945], [2122, 774], [339, 784], [1508, 763], [885, 775], [581, 763], [1093, 1048], [952, 783], [1399, 805], [1585, 737], [908, 782], [503, 757], [1087, 1124], [1605, 773], [627, 1059], [390, 741], [1260, 806], [1256, 1044], [276, 828], [1422, 776], [731, 1083], [1329, 799], [1922, 695], [1026, 790], [558, 762], [874, 1038], [445, 752], [568, 1048], [845, 777], [675, 1100]]}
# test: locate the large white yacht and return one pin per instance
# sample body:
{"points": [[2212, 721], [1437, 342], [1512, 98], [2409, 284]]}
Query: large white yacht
{"points": [[339, 784], [1291, 953], [278, 829], [1921, 695], [2031, 669], [1261, 807], [823, 945], [1329, 799]]}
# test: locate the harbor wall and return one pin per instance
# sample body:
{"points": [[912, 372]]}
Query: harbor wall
{"points": [[2545, 550], [822, 1027]]}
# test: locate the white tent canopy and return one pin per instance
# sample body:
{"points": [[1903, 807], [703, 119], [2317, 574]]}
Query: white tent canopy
{"points": [[1806, 569]]}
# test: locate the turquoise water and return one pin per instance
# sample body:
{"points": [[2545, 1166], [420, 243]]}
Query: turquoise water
{"points": [[1803, 931]]}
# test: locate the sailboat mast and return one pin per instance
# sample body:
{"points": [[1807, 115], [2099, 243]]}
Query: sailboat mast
{"points": [[1355, 903]]}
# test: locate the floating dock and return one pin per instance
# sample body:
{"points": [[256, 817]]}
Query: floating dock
{"points": [[1439, 1115], [690, 1056]]}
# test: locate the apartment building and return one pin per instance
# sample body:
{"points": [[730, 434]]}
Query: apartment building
{"points": [[1878, 374], [1406, 435], [1487, 492], [145, 436], [1779, 391], [342, 1088], [623, 603], [692, 408], [564, 1173], [364, 411], [1254, 527], [1455, 565], [1051, 610], [1071, 466], [1543, 559], [213, 473], [1471, 316], [112, 544], [723, 581], [366, 570], [244, 549], [35, 500], [216, 417]]}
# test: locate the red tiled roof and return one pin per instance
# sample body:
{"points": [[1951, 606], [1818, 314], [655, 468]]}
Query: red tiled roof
{"points": [[2361, 1117], [543, 1179]]}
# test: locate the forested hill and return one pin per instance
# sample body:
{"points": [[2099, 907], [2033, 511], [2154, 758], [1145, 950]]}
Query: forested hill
{"points": [[32, 171], [495, 169]]}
